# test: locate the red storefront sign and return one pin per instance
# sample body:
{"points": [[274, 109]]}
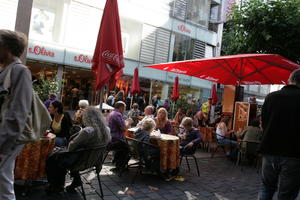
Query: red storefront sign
{"points": [[40, 50], [83, 59], [183, 28]]}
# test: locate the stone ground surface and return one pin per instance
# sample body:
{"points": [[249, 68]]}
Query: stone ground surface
{"points": [[219, 179]]}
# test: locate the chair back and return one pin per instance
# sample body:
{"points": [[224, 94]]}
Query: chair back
{"points": [[88, 158], [250, 147], [133, 146]]}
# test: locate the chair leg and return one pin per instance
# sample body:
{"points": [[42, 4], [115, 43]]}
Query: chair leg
{"points": [[100, 186], [238, 159], [196, 165], [82, 189], [181, 159], [214, 151], [187, 162]]}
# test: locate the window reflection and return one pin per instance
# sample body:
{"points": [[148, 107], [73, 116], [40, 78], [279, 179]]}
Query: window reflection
{"points": [[183, 47]]}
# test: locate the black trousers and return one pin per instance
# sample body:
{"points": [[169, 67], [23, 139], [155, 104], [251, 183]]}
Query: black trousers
{"points": [[121, 153], [57, 167]]}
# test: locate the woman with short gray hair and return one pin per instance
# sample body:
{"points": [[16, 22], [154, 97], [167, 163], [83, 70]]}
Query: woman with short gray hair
{"points": [[83, 104], [150, 153], [19, 97]]}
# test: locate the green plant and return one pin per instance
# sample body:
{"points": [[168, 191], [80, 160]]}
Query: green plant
{"points": [[257, 26], [47, 85], [183, 103]]}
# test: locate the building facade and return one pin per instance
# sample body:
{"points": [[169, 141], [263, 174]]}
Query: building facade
{"points": [[63, 34]]}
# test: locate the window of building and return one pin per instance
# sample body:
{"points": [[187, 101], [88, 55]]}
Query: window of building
{"points": [[46, 20], [183, 47], [8, 13], [186, 48], [155, 44], [196, 11]]}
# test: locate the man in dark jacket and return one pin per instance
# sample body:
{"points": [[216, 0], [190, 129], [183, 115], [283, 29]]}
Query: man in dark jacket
{"points": [[280, 142]]}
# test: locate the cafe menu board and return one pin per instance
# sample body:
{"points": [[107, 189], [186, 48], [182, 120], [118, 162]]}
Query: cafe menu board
{"points": [[241, 116], [228, 99]]}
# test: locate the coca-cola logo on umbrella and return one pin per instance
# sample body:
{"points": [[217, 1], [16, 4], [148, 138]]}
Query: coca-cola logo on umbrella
{"points": [[113, 58]]}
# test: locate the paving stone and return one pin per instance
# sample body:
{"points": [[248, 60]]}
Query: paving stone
{"points": [[220, 179]]}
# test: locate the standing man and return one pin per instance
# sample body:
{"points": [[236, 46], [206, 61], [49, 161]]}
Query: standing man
{"points": [[14, 114], [118, 144], [280, 142]]}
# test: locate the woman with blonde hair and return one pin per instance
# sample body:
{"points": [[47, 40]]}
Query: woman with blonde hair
{"points": [[162, 122]]}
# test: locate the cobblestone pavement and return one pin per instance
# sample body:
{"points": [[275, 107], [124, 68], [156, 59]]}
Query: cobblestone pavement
{"points": [[219, 179]]}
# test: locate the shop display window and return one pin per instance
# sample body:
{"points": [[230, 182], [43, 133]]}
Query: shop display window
{"points": [[78, 85], [38, 69]]}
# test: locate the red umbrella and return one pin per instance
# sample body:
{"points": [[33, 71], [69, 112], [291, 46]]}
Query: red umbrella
{"points": [[108, 54], [135, 86], [244, 69], [175, 92], [214, 95]]}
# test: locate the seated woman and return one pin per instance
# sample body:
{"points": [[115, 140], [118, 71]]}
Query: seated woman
{"points": [[162, 122], [95, 134], [83, 104], [61, 123], [179, 116], [222, 133], [150, 153], [190, 137]]}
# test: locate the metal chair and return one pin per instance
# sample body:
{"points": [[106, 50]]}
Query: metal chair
{"points": [[219, 145], [246, 149], [87, 163], [190, 155], [133, 145]]}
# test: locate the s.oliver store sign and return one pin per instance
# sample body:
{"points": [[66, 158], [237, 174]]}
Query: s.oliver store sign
{"points": [[78, 58], [40, 51], [60, 55]]}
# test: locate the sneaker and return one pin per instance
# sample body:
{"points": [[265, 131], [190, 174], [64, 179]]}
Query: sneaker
{"points": [[70, 189]]}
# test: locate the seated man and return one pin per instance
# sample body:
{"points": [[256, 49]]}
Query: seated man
{"points": [[190, 138], [95, 134], [148, 114], [150, 153], [118, 144]]}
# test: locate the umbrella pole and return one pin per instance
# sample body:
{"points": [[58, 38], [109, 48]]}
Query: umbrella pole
{"points": [[173, 109], [101, 97], [131, 102]]}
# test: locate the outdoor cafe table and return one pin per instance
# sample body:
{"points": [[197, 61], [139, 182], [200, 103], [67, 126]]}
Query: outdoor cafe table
{"points": [[31, 162], [169, 151]]}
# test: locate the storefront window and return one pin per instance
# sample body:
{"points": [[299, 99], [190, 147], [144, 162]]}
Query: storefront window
{"points": [[186, 91], [38, 69], [183, 47], [78, 84]]}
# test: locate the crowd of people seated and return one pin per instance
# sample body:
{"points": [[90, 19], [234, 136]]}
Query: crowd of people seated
{"points": [[111, 132]]}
